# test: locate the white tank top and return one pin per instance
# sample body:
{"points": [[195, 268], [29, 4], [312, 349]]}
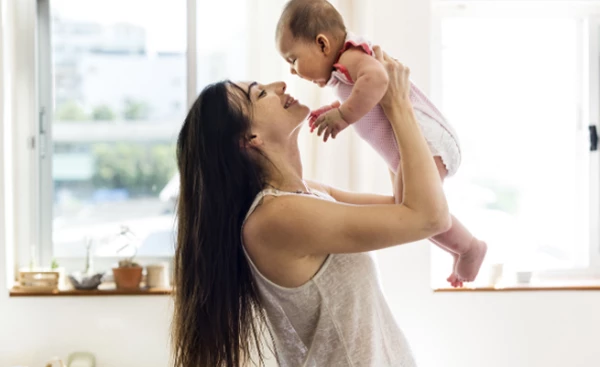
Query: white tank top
{"points": [[339, 318]]}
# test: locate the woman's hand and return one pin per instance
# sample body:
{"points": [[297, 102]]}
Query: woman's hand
{"points": [[399, 83]]}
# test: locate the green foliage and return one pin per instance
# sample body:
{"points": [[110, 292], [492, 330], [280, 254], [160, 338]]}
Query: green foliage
{"points": [[135, 110], [507, 196], [70, 111], [103, 113], [141, 169]]}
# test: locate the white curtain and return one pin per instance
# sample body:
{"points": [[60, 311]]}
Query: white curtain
{"points": [[346, 162], [6, 223]]}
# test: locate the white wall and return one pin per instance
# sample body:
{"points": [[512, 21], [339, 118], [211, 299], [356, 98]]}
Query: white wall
{"points": [[543, 329], [121, 331]]}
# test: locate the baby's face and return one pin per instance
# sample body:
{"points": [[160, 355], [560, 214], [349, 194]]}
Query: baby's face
{"points": [[306, 59]]}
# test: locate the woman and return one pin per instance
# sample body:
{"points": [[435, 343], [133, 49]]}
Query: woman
{"points": [[258, 245]]}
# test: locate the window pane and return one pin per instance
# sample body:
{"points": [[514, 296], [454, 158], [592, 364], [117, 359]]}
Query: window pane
{"points": [[222, 46], [120, 97], [511, 88]]}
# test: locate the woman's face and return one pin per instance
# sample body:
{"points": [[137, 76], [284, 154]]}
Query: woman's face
{"points": [[274, 114]]}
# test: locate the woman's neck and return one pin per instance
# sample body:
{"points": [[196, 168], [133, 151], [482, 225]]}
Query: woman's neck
{"points": [[285, 171]]}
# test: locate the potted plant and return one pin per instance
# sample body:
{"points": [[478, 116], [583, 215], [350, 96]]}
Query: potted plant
{"points": [[128, 275]]}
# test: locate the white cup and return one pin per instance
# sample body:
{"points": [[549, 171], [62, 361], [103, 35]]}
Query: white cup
{"points": [[496, 272], [157, 276], [524, 277]]}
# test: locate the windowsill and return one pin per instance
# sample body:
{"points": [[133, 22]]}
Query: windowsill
{"points": [[579, 285], [103, 291]]}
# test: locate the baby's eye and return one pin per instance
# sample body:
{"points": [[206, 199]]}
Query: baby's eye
{"points": [[262, 94]]}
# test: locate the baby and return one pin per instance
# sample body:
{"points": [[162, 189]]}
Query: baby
{"points": [[312, 38]]}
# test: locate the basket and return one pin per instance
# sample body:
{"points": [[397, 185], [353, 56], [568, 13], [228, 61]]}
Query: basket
{"points": [[39, 281]]}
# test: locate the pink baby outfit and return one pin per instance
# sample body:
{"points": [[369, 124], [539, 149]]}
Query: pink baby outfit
{"points": [[375, 128]]}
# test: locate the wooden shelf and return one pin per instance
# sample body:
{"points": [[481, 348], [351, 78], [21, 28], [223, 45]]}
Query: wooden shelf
{"points": [[575, 286], [16, 292]]}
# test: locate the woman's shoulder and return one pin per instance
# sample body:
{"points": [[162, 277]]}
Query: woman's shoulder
{"points": [[277, 213], [268, 208]]}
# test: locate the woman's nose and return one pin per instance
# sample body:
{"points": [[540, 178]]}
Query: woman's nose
{"points": [[276, 87], [280, 87]]}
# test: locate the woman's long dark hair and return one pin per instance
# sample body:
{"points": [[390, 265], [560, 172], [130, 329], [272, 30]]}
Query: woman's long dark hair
{"points": [[218, 316]]}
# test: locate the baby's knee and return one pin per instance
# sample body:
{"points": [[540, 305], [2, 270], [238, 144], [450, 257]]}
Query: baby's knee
{"points": [[441, 166]]}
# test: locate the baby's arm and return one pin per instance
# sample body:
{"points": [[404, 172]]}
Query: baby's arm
{"points": [[370, 84]]}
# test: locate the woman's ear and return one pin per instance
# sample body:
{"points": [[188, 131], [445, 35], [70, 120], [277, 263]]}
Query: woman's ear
{"points": [[248, 141], [254, 141], [324, 44]]}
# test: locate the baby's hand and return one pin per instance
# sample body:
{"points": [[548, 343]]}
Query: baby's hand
{"points": [[314, 115], [330, 122]]}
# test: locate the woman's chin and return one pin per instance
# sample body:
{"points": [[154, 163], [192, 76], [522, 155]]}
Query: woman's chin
{"points": [[304, 115], [305, 111], [300, 113], [299, 125]]}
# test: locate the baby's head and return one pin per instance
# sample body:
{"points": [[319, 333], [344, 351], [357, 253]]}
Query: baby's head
{"points": [[310, 34]]}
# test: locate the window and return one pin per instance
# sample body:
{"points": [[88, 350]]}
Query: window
{"points": [[114, 117], [222, 54], [114, 85], [514, 83]]}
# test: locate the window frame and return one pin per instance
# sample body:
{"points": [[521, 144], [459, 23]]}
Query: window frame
{"points": [[31, 202], [34, 211], [589, 14], [44, 131], [592, 100]]}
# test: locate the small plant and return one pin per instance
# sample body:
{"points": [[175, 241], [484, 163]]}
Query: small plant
{"points": [[129, 236], [54, 265], [128, 275]]}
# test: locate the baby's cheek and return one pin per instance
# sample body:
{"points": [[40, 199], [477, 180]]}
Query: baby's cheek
{"points": [[306, 71]]}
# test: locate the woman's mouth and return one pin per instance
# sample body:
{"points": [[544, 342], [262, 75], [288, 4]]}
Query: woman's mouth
{"points": [[289, 102]]}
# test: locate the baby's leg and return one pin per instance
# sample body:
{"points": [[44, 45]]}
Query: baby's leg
{"points": [[459, 240], [398, 195], [468, 251]]}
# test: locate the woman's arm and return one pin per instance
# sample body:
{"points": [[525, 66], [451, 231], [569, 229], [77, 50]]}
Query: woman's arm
{"points": [[420, 181], [312, 226], [348, 197]]}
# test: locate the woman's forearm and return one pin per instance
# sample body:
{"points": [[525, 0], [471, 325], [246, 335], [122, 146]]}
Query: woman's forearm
{"points": [[420, 179]]}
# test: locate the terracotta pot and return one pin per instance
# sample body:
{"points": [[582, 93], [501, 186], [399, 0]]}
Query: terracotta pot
{"points": [[128, 278]]}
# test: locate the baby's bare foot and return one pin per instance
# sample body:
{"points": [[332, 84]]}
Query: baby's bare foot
{"points": [[468, 263], [453, 279]]}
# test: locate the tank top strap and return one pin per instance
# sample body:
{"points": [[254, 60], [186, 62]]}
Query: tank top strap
{"points": [[274, 192], [262, 194]]}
